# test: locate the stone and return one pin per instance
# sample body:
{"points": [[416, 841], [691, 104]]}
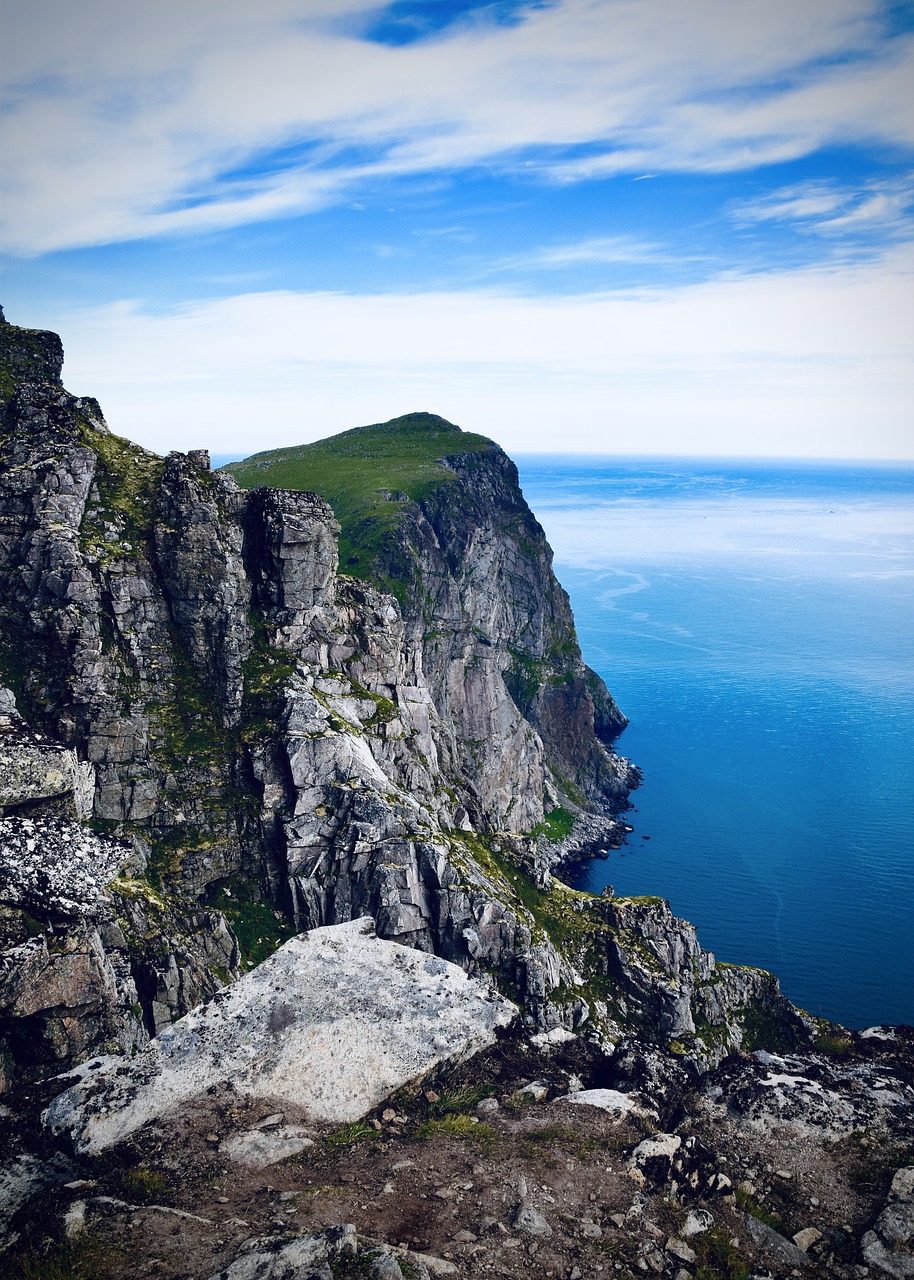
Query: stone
{"points": [[679, 1249], [610, 1100], [529, 1220], [697, 1221], [333, 1022], [305, 1258], [773, 1245], [806, 1238], [258, 1148]]}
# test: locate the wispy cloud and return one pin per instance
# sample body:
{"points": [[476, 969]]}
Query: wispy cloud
{"points": [[125, 121], [596, 249], [882, 207]]}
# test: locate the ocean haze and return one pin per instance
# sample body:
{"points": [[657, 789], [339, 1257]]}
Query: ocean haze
{"points": [[756, 623]]}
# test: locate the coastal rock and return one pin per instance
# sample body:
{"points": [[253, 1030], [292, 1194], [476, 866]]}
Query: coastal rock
{"points": [[332, 1023]]}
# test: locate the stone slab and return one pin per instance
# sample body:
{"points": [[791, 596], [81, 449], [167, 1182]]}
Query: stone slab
{"points": [[331, 1024]]}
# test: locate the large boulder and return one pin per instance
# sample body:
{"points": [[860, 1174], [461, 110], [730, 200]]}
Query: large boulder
{"points": [[331, 1024]]}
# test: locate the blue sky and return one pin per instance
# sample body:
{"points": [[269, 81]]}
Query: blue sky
{"points": [[616, 226]]}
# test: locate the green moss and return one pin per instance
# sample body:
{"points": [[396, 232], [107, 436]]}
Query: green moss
{"points": [[364, 474], [763, 1030]]}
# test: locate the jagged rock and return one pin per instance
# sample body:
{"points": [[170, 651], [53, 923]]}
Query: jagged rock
{"points": [[775, 1247], [889, 1247], [333, 1022], [530, 1221], [305, 1258], [281, 737], [56, 866], [811, 1095]]}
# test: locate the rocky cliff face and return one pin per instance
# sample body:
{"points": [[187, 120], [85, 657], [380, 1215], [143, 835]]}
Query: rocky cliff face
{"points": [[261, 745]]}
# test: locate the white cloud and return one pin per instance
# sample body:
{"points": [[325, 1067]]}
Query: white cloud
{"points": [[796, 363], [128, 120], [825, 207]]}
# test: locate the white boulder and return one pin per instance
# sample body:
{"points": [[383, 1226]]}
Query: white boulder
{"points": [[331, 1024]]}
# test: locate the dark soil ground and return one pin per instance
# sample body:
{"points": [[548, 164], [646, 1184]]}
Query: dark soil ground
{"points": [[440, 1171]]}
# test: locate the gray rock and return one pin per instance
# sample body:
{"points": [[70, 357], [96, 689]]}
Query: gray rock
{"points": [[258, 1148], [773, 1246], [529, 1220], [305, 1258], [332, 1023]]}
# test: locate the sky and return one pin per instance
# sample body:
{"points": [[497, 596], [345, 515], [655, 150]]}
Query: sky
{"points": [[606, 226]]}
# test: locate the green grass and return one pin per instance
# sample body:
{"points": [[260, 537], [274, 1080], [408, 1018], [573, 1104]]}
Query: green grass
{"points": [[456, 1126], [145, 1185], [80, 1259], [358, 471], [557, 825], [349, 1134]]}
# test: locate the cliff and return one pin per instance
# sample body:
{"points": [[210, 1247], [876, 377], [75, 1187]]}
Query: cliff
{"points": [[277, 842], [281, 746]]}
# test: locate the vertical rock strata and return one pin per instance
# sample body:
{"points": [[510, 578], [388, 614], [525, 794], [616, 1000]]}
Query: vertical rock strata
{"points": [[273, 746]]}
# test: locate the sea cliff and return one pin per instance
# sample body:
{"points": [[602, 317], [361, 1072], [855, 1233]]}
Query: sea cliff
{"points": [[215, 736]]}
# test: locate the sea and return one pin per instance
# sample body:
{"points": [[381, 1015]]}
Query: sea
{"points": [[755, 622]]}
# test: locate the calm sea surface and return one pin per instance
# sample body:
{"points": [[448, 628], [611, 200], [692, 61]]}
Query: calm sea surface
{"points": [[756, 624]]}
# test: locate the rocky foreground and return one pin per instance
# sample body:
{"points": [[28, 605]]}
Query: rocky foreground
{"points": [[288, 985]]}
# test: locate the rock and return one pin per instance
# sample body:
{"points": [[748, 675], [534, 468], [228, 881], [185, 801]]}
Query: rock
{"points": [[806, 1238], [333, 1022], [610, 1100], [773, 1246], [536, 1091], [889, 1247], [305, 1258], [697, 1221], [679, 1249], [529, 1220], [257, 1148], [555, 1036], [487, 1107]]}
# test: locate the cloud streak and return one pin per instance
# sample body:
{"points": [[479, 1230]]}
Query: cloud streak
{"points": [[793, 363], [126, 121]]}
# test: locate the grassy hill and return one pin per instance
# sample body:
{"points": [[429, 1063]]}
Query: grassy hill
{"points": [[365, 474]]}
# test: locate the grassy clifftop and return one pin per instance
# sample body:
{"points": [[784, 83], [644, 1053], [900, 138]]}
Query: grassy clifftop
{"points": [[365, 474]]}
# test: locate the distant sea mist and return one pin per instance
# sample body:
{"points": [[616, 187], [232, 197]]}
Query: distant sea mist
{"points": [[756, 623]]}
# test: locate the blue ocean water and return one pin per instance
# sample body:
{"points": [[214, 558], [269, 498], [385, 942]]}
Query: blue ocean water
{"points": [[755, 621]]}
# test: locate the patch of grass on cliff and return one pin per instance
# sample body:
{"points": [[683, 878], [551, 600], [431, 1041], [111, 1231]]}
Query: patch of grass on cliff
{"points": [[366, 475], [84, 1258], [257, 926], [126, 479], [717, 1258], [556, 826]]}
